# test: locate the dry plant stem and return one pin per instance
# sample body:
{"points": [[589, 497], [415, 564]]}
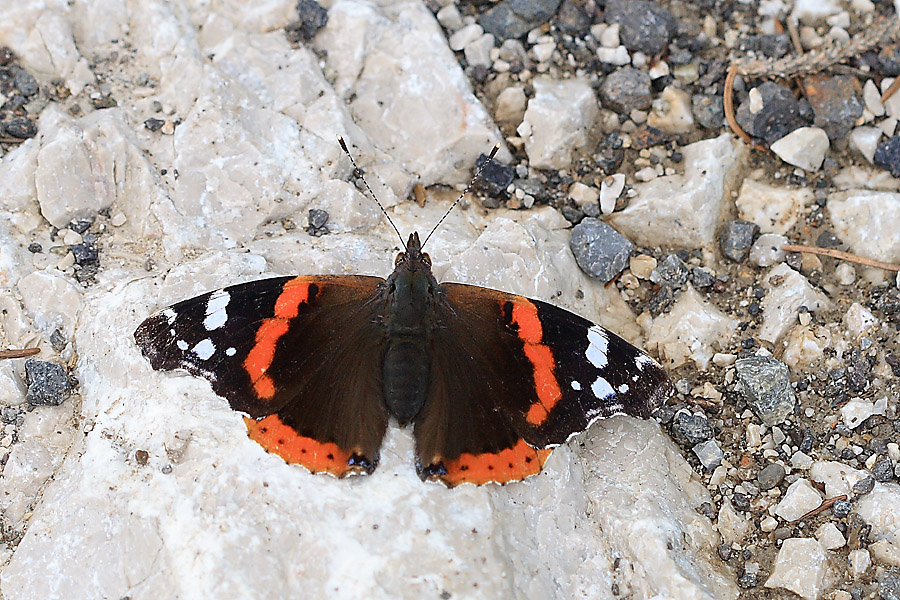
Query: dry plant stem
{"points": [[821, 508], [841, 255], [19, 353], [728, 103]]}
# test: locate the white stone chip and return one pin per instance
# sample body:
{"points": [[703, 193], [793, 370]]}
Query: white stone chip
{"points": [[859, 319], [856, 411], [610, 190], [559, 117], [860, 560], [672, 112], [788, 290], [693, 330], [776, 209], [800, 567], [732, 526], [865, 141], [805, 148], [465, 36], [885, 552], [800, 498], [830, 536], [859, 221]]}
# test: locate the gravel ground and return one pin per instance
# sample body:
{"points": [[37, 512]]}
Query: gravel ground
{"points": [[787, 363]]}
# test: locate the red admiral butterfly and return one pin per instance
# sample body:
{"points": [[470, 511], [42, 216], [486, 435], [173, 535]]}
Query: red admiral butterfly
{"points": [[490, 381]]}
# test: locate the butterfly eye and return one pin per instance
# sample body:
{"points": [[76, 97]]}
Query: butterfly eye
{"points": [[426, 259], [400, 258]]}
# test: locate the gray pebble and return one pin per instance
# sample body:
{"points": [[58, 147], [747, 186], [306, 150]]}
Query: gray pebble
{"points": [[48, 383], [709, 453], [765, 384], [736, 238], [889, 587], [645, 26], [770, 476], [691, 428], [887, 156], [883, 470], [841, 508], [864, 486], [600, 251], [626, 89]]}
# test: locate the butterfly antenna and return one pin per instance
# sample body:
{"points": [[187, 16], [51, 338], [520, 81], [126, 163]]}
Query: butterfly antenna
{"points": [[357, 172], [465, 191]]}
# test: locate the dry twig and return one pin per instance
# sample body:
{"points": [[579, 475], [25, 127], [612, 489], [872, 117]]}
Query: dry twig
{"points": [[841, 255], [18, 353], [822, 507]]}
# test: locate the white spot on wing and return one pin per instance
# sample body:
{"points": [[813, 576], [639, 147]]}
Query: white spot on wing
{"points": [[622, 389], [215, 310], [576, 385], [643, 360], [170, 315], [598, 344], [204, 349], [602, 389], [230, 351], [182, 345]]}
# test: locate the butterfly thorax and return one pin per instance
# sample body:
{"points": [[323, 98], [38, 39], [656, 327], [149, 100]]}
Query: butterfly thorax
{"points": [[410, 294]]}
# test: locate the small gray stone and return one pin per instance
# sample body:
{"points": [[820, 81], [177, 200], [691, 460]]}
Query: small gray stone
{"points": [[645, 26], [736, 239], [514, 18], [864, 486], [708, 110], [779, 115], [887, 156], [765, 384], [841, 508], [672, 272], [709, 453], [883, 470], [889, 587], [691, 428], [48, 383], [311, 18], [626, 89], [770, 476], [600, 251], [836, 103]]}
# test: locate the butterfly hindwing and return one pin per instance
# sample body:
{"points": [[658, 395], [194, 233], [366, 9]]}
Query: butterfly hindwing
{"points": [[272, 348], [543, 374]]}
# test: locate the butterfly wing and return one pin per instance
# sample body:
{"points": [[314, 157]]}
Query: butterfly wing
{"points": [[272, 348], [543, 374]]}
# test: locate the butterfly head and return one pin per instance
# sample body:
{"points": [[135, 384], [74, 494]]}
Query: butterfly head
{"points": [[413, 259]]}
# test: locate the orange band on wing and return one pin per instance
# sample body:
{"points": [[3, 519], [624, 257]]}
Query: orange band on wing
{"points": [[259, 359], [525, 316], [512, 464], [272, 434]]}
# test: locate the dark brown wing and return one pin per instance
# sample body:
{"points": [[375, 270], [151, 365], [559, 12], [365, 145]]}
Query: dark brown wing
{"points": [[512, 378], [300, 355]]}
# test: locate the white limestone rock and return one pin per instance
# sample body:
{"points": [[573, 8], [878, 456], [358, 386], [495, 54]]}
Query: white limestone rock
{"points": [[801, 567], [788, 290], [693, 330], [865, 140], [672, 112], [767, 250], [859, 221], [800, 498], [731, 525], [837, 477], [805, 147], [860, 560], [557, 121], [511, 104], [774, 208], [830, 536], [683, 210], [52, 301], [858, 319]]}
